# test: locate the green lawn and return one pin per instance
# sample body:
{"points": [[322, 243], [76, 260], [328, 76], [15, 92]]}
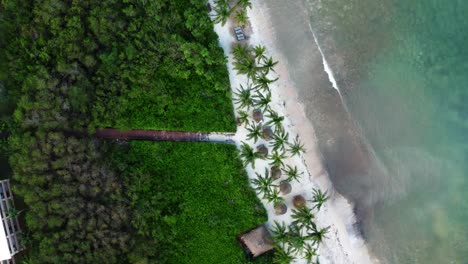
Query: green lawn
{"points": [[192, 199]]}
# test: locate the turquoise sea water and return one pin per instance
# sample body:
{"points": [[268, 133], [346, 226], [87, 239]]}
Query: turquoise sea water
{"points": [[402, 67]]}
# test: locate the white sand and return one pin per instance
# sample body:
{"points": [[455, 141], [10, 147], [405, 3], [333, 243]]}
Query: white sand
{"points": [[342, 245]]}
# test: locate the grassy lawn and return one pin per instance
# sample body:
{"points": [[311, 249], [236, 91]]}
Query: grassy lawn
{"points": [[191, 199]]}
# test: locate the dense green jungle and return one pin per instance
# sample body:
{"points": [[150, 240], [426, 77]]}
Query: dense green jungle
{"points": [[74, 65]]}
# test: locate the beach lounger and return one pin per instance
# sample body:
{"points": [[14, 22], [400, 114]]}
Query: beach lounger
{"points": [[240, 37]]}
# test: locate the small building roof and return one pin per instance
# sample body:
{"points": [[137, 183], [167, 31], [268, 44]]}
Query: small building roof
{"points": [[256, 241]]}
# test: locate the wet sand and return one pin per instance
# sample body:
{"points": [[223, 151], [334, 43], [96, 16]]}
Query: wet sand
{"points": [[345, 155]]}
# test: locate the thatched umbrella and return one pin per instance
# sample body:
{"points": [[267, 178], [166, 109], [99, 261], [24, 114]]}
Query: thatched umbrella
{"points": [[257, 115], [267, 133], [263, 150], [299, 201], [280, 208], [285, 187], [275, 172]]}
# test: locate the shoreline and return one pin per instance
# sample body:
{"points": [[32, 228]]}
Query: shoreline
{"points": [[344, 244]]}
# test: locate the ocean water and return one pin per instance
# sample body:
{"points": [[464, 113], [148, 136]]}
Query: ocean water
{"points": [[396, 140]]}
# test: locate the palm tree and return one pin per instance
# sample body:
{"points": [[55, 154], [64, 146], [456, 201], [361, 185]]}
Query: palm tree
{"points": [[309, 253], [318, 234], [12, 212], [262, 101], [254, 132], [277, 159], [274, 197], [242, 117], [240, 52], [249, 155], [275, 120], [278, 232], [241, 17], [319, 198], [262, 82], [244, 97], [279, 140], [296, 148], [296, 240], [268, 65], [263, 184], [222, 12], [282, 256], [303, 217], [292, 173], [259, 52], [244, 4], [246, 66]]}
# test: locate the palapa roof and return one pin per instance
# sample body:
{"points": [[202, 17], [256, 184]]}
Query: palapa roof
{"points": [[256, 241]]}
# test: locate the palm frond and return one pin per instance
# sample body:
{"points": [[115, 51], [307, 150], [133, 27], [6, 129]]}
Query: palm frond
{"points": [[249, 155], [319, 198], [275, 119], [244, 97], [280, 139], [276, 159], [262, 101], [263, 184], [292, 173], [296, 148]]}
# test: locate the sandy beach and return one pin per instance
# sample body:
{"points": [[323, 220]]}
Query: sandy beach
{"points": [[343, 244]]}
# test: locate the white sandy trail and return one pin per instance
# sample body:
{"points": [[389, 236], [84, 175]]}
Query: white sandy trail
{"points": [[342, 245]]}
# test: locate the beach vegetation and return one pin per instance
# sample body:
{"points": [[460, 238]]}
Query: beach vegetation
{"points": [[246, 66], [283, 256], [280, 139], [273, 196], [296, 241], [249, 155], [244, 4], [303, 217], [279, 232], [262, 82], [292, 173], [268, 65], [240, 51], [263, 184], [262, 101], [259, 53], [222, 11], [241, 17], [242, 117], [277, 159], [296, 148], [275, 119], [310, 253], [254, 132], [319, 198], [318, 234], [244, 97]]}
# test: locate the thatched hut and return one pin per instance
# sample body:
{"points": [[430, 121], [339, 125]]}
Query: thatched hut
{"points": [[256, 241]]}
